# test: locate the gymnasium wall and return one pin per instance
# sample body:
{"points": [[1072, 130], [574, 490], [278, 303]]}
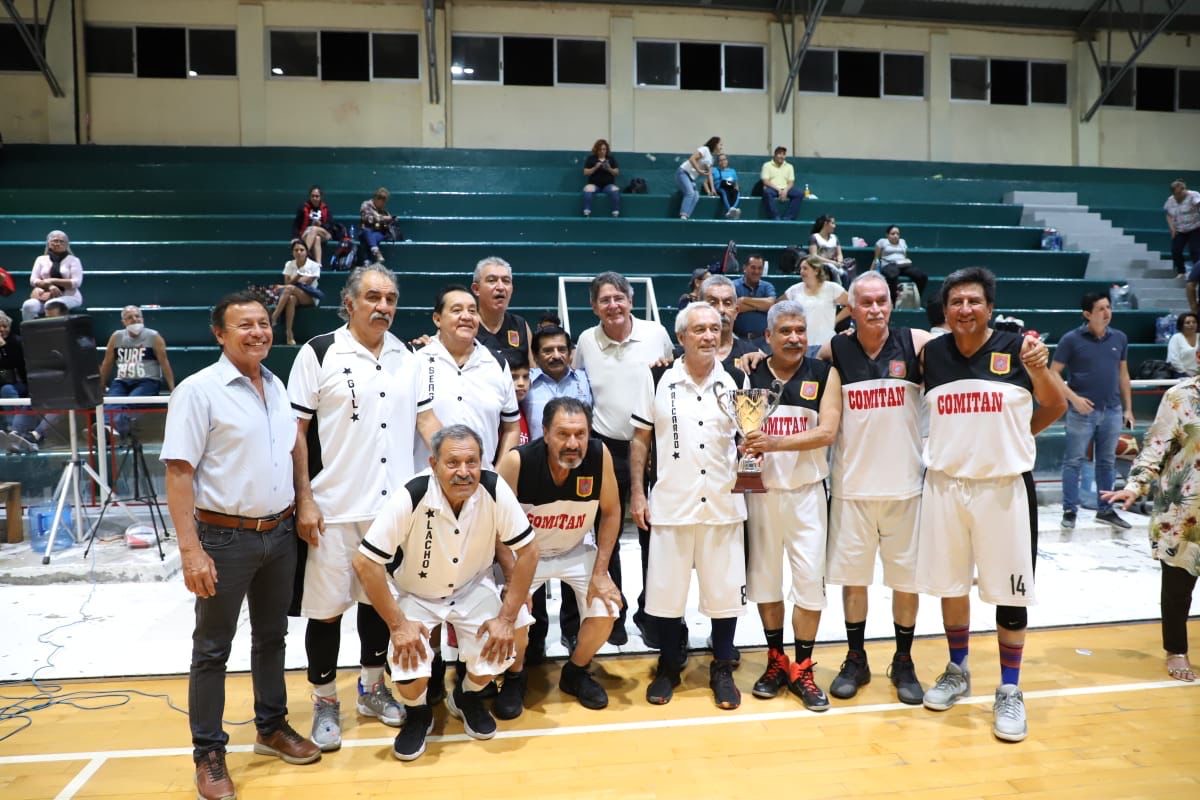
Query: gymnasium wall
{"points": [[256, 109]]}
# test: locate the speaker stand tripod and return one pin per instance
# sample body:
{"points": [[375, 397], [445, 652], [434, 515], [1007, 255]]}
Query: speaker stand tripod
{"points": [[70, 482], [141, 472]]}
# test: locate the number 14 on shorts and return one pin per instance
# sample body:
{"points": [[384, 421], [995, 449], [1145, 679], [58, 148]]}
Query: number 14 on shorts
{"points": [[1016, 584]]}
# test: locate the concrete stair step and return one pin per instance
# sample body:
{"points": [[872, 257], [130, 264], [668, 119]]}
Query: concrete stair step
{"points": [[1024, 197]]}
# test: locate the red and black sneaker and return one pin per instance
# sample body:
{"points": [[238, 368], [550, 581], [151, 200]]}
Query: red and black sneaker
{"points": [[774, 678], [802, 684]]}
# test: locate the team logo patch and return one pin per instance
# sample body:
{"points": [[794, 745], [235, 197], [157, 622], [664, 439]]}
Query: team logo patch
{"points": [[1001, 363], [583, 486], [897, 369], [514, 339], [808, 389]]}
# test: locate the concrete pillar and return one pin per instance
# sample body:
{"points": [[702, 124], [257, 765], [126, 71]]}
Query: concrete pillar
{"points": [[434, 115], [620, 81], [941, 132], [781, 127], [1085, 136], [252, 78], [61, 121]]}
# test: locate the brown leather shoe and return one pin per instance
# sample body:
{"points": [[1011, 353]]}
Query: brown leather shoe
{"points": [[212, 778], [285, 743]]}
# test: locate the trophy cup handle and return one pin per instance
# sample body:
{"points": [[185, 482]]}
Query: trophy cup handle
{"points": [[774, 396], [724, 401]]}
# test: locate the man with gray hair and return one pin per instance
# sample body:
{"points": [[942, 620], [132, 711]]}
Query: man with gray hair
{"points": [[437, 536], [357, 394], [500, 330], [140, 356], [720, 293], [620, 346]]}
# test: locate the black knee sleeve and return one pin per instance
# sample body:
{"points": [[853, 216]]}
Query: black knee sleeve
{"points": [[373, 637], [1012, 618], [321, 643]]}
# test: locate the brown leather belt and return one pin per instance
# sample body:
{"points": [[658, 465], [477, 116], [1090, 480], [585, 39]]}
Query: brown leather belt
{"points": [[256, 524]]}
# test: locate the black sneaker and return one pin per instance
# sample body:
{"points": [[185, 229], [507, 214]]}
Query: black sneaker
{"points": [[619, 636], [720, 679], [510, 701], [904, 678], [774, 678], [436, 689], [661, 689], [468, 706], [855, 672], [578, 682], [1110, 517], [802, 684], [1068, 521], [535, 654], [410, 741], [646, 630]]}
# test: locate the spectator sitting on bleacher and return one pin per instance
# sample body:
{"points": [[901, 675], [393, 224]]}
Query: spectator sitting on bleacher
{"points": [[698, 165], [601, 171], [779, 181], [56, 275], [300, 278], [725, 179], [692, 295], [891, 258], [314, 222], [823, 244], [1181, 348], [13, 383], [376, 223], [820, 299], [140, 356]]}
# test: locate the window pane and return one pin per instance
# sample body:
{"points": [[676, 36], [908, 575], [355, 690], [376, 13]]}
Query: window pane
{"points": [[744, 67], [161, 53], [1155, 89], [475, 58], [582, 61], [903, 75], [344, 56], [294, 53], [528, 61], [14, 56], [1048, 83], [700, 66], [968, 79], [395, 55], [816, 73], [109, 50], [1189, 89], [656, 64], [1010, 82], [858, 73], [1123, 94], [212, 52]]}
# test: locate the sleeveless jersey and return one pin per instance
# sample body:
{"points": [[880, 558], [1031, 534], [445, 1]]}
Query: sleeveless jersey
{"points": [[979, 409], [512, 337], [135, 355], [878, 449], [561, 516], [797, 412]]}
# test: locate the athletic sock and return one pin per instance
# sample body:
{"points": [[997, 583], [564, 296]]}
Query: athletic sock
{"points": [[774, 638], [804, 650], [958, 638], [371, 676], [327, 691], [904, 639], [469, 685], [419, 700], [1010, 662], [856, 634], [722, 634]]}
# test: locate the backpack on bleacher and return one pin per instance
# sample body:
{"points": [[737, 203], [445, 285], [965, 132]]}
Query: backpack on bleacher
{"points": [[636, 186], [343, 257], [1164, 328], [728, 262]]}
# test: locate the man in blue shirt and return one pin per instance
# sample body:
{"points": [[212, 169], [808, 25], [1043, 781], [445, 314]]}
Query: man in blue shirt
{"points": [[725, 178], [755, 298], [1100, 399], [553, 377]]}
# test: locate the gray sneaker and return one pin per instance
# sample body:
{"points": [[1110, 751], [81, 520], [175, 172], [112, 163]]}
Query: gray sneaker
{"points": [[378, 702], [327, 724], [1008, 714], [952, 684]]}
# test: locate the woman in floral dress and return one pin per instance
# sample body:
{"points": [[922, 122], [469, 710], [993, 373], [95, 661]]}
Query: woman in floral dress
{"points": [[1170, 459]]}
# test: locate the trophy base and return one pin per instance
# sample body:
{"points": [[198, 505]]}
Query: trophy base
{"points": [[749, 483]]}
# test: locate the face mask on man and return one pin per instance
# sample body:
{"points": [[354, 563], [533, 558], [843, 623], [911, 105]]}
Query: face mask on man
{"points": [[135, 328]]}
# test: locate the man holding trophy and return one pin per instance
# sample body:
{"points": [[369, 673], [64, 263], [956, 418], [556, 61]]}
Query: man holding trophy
{"points": [[789, 517], [697, 518]]}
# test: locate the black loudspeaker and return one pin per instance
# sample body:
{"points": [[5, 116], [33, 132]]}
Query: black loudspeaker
{"points": [[62, 363]]}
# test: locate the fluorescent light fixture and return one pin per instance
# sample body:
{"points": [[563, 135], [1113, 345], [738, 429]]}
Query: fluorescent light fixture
{"points": [[469, 71], [193, 74], [276, 70], [456, 69]]}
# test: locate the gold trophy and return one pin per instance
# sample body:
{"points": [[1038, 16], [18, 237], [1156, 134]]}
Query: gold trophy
{"points": [[749, 408]]}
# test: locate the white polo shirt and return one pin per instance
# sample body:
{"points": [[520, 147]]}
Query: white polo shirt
{"points": [[611, 366], [479, 395], [696, 456], [433, 553], [365, 411], [239, 446]]}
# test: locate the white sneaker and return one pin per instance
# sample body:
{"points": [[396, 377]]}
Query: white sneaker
{"points": [[1008, 714], [327, 724], [951, 685]]}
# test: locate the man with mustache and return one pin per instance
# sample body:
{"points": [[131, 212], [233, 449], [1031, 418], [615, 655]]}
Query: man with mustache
{"points": [[499, 330], [562, 480], [720, 293], [357, 392], [438, 536]]}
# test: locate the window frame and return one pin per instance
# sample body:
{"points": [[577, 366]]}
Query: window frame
{"points": [[987, 80], [371, 57], [267, 69], [721, 45], [817, 92], [187, 57], [499, 59], [1066, 103], [1179, 88], [187, 37], [658, 87], [320, 76], [607, 63], [1029, 101], [883, 95], [34, 70]]}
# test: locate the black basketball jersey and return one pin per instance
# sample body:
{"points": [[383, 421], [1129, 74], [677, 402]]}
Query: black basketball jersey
{"points": [[798, 411], [513, 336], [979, 408], [561, 515]]}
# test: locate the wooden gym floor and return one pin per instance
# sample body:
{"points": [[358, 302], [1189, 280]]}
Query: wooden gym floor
{"points": [[1105, 722]]}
